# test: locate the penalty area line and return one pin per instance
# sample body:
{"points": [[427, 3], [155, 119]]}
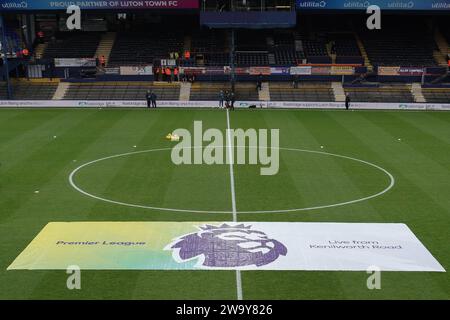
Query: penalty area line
{"points": [[233, 198]]}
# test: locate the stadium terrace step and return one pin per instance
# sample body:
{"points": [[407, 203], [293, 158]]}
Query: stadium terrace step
{"points": [[416, 90], [61, 91], [264, 93], [105, 46], [363, 51], [443, 46], [338, 91], [440, 58], [185, 91], [40, 50]]}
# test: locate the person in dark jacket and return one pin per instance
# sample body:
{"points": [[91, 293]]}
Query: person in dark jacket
{"points": [[153, 98], [232, 100], [221, 98], [259, 82], [347, 101], [227, 99], [148, 97]]}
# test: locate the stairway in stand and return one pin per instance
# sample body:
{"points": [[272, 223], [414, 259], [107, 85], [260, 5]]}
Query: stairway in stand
{"points": [[105, 46]]}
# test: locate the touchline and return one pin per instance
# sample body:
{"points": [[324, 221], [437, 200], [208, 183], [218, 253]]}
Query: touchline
{"points": [[250, 146]]}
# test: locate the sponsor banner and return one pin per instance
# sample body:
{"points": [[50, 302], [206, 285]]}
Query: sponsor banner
{"points": [[301, 70], [304, 105], [239, 70], [226, 246], [136, 70], [279, 70], [406, 5], [114, 71], [388, 71], [400, 71], [215, 71], [259, 70], [316, 70], [192, 70], [75, 62], [410, 71], [20, 5], [342, 70], [209, 104]]}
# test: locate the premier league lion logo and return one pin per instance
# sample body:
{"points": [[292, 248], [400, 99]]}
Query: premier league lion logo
{"points": [[227, 246]]}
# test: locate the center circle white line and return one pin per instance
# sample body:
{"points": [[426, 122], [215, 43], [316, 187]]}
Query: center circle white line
{"points": [[387, 173]]}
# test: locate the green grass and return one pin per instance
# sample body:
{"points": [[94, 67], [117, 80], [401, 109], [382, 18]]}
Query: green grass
{"points": [[32, 159]]}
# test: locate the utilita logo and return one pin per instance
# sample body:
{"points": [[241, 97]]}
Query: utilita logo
{"points": [[227, 246]]}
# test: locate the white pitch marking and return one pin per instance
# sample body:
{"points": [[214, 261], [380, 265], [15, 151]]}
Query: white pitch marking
{"points": [[387, 173], [233, 198]]}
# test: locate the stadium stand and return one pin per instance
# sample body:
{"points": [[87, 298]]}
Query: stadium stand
{"points": [[217, 59], [73, 45], [316, 51], [382, 93], [436, 95], [13, 42], [251, 48], [25, 90], [208, 48], [346, 49], [400, 44], [444, 28], [142, 48], [306, 91], [283, 50], [121, 91], [323, 40], [210, 91]]}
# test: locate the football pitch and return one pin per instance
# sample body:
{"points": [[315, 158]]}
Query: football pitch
{"points": [[335, 166]]}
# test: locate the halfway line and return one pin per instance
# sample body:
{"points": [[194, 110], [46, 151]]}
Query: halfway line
{"points": [[233, 197]]}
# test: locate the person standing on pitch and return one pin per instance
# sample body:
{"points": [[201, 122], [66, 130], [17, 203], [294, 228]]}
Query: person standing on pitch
{"points": [[221, 98], [259, 82], [347, 101], [153, 98], [227, 99], [148, 97], [232, 99]]}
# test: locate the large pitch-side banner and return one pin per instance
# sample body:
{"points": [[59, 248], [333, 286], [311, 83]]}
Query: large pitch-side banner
{"points": [[98, 4], [209, 104], [226, 246], [383, 4]]}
